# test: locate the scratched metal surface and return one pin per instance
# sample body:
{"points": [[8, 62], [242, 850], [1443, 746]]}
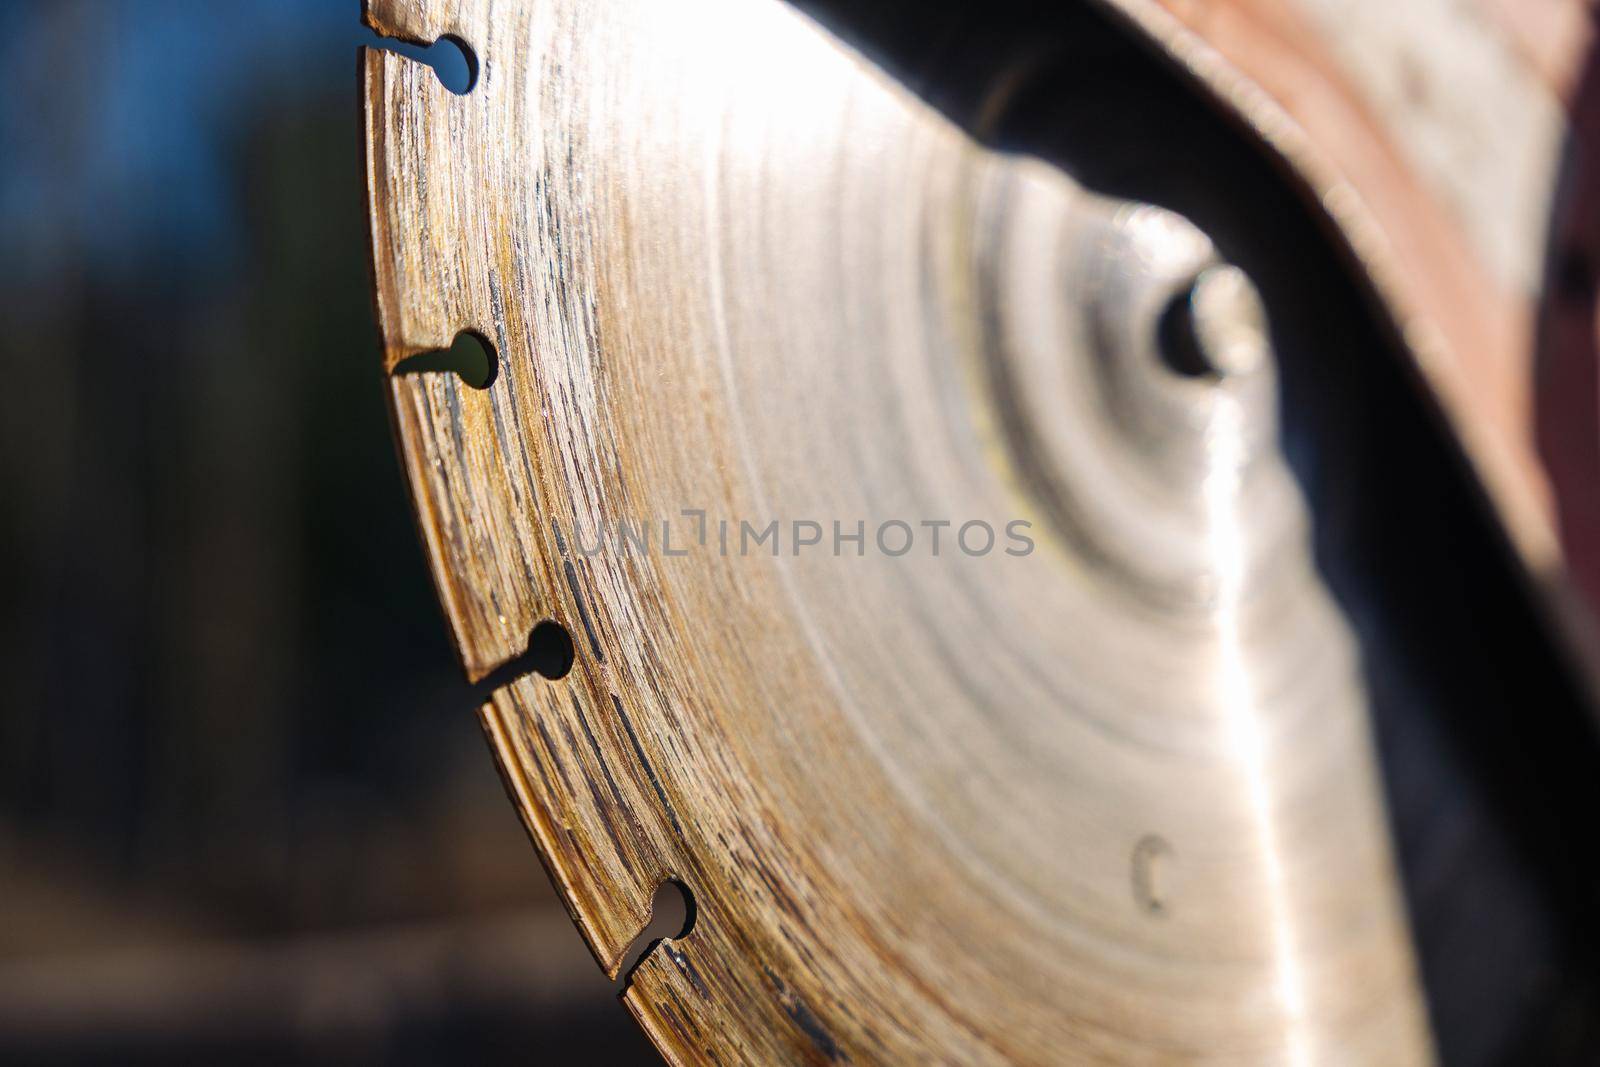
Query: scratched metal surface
{"points": [[1114, 799]]}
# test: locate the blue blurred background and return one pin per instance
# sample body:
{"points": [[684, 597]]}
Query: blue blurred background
{"points": [[245, 808]]}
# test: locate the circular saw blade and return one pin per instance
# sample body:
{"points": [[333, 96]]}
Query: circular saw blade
{"points": [[943, 607]]}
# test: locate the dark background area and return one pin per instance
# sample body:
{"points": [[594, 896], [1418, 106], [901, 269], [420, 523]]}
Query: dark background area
{"points": [[245, 807]]}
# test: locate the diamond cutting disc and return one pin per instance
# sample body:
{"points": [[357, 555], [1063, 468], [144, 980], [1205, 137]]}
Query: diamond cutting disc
{"points": [[943, 606]]}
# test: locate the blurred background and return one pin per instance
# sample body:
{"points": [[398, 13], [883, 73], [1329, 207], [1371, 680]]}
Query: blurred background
{"points": [[245, 807]]}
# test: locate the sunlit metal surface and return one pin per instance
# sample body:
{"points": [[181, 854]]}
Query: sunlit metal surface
{"points": [[1109, 798]]}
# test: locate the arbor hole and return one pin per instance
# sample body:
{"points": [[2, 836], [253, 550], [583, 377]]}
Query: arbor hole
{"points": [[1178, 341]]}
